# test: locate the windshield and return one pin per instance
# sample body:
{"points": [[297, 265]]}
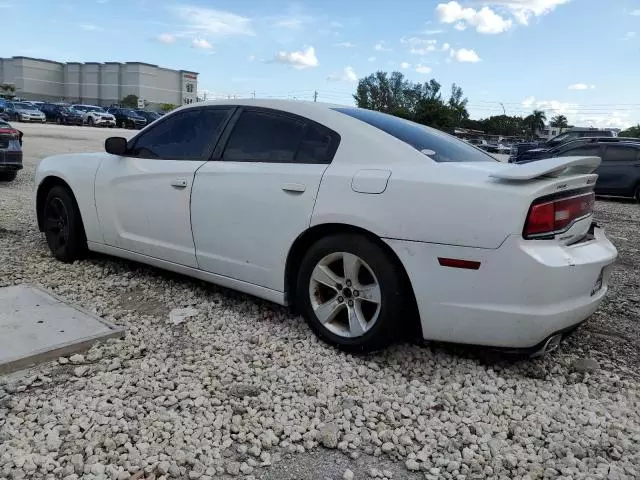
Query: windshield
{"points": [[131, 113], [95, 109], [447, 148], [25, 106]]}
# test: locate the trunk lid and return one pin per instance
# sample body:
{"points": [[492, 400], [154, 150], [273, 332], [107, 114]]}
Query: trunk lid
{"points": [[550, 178]]}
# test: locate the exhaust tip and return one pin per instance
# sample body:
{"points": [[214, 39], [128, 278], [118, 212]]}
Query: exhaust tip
{"points": [[552, 343]]}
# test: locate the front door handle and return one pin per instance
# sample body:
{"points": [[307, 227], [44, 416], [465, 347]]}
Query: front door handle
{"points": [[294, 187], [179, 183]]}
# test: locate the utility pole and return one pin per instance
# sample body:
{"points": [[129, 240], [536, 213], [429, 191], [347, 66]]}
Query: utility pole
{"points": [[504, 112], [253, 94], [315, 96]]}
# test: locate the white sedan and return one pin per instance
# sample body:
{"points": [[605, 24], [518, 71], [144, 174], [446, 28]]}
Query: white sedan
{"points": [[369, 225]]}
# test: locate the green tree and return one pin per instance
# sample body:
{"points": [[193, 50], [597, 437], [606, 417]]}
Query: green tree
{"points": [[7, 90], [167, 107], [559, 121], [422, 103], [534, 123], [631, 132], [130, 101]]}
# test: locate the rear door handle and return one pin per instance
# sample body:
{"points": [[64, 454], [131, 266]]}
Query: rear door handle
{"points": [[294, 187], [179, 182]]}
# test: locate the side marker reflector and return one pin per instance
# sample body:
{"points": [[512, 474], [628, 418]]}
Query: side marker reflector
{"points": [[458, 263]]}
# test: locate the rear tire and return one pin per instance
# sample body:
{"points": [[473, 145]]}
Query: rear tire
{"points": [[8, 176], [63, 226], [350, 292]]}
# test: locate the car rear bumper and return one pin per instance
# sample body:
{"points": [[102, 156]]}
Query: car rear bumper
{"points": [[10, 161], [522, 293]]}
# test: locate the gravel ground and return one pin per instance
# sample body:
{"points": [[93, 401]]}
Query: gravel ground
{"points": [[244, 389]]}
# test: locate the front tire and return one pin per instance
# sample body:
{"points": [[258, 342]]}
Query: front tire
{"points": [[8, 176], [350, 292], [63, 226], [90, 121]]}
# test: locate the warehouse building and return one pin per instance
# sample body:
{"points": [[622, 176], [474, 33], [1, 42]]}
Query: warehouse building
{"points": [[97, 83]]}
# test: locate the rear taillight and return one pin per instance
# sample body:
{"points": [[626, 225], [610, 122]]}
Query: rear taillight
{"points": [[548, 217]]}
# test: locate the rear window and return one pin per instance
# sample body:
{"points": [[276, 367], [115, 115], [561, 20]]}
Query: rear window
{"points": [[447, 147]]}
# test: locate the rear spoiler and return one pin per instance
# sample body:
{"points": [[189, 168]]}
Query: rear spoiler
{"points": [[548, 167]]}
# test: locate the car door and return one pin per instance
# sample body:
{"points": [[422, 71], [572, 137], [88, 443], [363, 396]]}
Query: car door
{"points": [[143, 198], [257, 196], [618, 172]]}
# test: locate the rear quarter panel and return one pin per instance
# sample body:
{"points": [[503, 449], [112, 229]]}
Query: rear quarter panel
{"points": [[78, 171]]}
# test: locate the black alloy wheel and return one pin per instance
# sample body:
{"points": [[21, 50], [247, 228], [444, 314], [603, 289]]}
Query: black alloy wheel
{"points": [[63, 225]]}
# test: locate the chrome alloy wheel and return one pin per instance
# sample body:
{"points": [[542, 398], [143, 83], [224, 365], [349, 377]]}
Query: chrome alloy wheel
{"points": [[345, 294]]}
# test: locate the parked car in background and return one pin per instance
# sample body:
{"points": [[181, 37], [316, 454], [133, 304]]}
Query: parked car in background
{"points": [[519, 149], [619, 172], [95, 116], [127, 118], [497, 254], [24, 112], [148, 116], [10, 151], [62, 114]]}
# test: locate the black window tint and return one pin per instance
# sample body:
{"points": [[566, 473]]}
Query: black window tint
{"points": [[182, 136], [585, 150], [619, 153], [316, 146], [420, 137], [263, 137]]}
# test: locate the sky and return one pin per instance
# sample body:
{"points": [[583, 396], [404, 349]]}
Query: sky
{"points": [[579, 58]]}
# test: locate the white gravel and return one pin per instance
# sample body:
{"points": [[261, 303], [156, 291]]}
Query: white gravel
{"points": [[242, 386]]}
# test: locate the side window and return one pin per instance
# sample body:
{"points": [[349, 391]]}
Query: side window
{"points": [[585, 150], [317, 145], [264, 137], [182, 136], [619, 154]]}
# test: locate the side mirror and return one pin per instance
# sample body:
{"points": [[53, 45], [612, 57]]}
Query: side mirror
{"points": [[116, 145]]}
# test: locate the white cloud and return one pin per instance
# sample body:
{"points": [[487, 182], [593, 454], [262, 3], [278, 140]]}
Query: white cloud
{"points": [[485, 20], [528, 102], [466, 55], [493, 18], [346, 75], [432, 32], [630, 35], [381, 47], [523, 10], [460, 26], [301, 59], [419, 46], [371, 59], [201, 43], [423, 69], [251, 58], [344, 45], [554, 107], [581, 86], [636, 13], [90, 27], [605, 120], [445, 47], [405, 65], [166, 38], [208, 21]]}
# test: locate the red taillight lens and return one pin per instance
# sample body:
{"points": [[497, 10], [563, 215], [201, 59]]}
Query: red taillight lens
{"points": [[549, 217]]}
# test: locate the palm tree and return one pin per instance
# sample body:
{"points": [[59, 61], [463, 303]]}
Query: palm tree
{"points": [[535, 122], [559, 121]]}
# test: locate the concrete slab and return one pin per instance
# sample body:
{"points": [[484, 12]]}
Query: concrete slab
{"points": [[36, 326]]}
